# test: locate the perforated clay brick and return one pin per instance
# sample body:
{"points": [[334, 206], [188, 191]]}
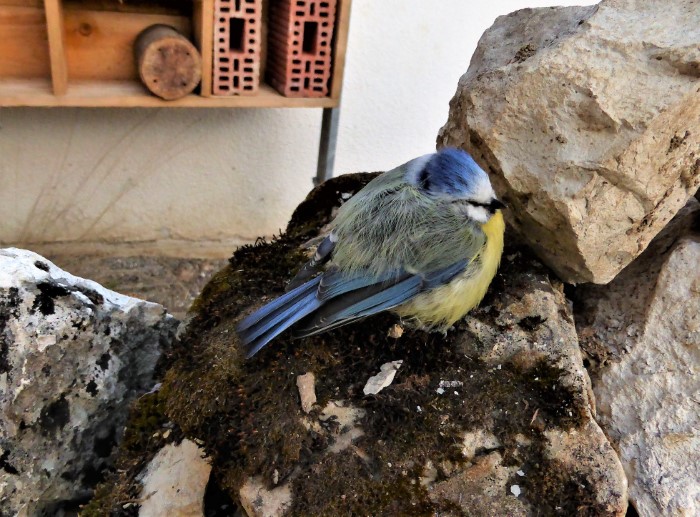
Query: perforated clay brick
{"points": [[299, 47], [237, 38]]}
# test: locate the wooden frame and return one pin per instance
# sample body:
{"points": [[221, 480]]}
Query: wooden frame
{"points": [[76, 80]]}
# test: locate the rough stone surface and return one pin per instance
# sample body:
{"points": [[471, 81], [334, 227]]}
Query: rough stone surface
{"points": [[648, 322], [384, 378], [588, 120], [174, 482], [610, 319], [515, 408], [307, 393], [259, 501], [72, 357]]}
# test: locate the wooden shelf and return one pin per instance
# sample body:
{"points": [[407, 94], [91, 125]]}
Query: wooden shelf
{"points": [[86, 58], [131, 94]]}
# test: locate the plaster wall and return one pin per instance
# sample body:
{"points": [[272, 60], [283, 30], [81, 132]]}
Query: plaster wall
{"points": [[198, 182]]}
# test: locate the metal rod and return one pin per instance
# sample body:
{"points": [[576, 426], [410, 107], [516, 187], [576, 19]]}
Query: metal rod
{"points": [[326, 148]]}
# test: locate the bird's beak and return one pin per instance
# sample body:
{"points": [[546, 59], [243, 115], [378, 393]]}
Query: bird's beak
{"points": [[497, 204]]}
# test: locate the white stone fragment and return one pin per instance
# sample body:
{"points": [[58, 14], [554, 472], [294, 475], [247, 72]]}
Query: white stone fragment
{"points": [[515, 490], [347, 418], [384, 378], [174, 482], [478, 439], [258, 501], [307, 391]]}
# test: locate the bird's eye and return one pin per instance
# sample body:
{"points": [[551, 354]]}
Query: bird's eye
{"points": [[496, 204]]}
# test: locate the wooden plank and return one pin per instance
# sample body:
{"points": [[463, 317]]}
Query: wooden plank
{"points": [[57, 53], [203, 28], [174, 7], [132, 94], [24, 48], [99, 44], [39, 4], [341, 44]]}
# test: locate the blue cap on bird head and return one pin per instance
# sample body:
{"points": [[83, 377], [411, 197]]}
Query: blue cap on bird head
{"points": [[453, 172]]}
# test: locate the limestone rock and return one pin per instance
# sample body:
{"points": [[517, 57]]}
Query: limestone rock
{"points": [[649, 318], [588, 120], [259, 501], [384, 378], [515, 408], [174, 482], [611, 318], [72, 356], [307, 393]]}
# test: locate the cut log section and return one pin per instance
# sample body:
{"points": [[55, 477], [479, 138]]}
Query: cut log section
{"points": [[168, 63]]}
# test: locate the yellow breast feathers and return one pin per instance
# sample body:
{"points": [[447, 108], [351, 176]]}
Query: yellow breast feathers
{"points": [[443, 306]]}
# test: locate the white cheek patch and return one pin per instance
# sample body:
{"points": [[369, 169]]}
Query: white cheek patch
{"points": [[478, 213]]}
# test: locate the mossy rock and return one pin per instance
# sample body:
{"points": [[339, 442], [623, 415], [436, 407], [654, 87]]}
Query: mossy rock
{"points": [[514, 398]]}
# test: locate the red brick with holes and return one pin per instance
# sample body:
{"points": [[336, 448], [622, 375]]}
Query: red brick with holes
{"points": [[299, 46], [237, 35]]}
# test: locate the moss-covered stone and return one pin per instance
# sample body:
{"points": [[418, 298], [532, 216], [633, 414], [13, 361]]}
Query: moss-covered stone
{"points": [[514, 370], [146, 432]]}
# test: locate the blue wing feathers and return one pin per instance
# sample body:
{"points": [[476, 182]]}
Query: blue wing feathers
{"points": [[442, 276], [334, 299], [335, 283], [268, 322]]}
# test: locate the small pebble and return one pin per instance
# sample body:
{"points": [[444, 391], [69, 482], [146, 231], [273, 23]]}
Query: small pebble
{"points": [[384, 378], [395, 332], [307, 392], [515, 490], [520, 473]]}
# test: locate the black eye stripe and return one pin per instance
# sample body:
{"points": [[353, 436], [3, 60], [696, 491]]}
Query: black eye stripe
{"points": [[424, 180], [491, 206]]}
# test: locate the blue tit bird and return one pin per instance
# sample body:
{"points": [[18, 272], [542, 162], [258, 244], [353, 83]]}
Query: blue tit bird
{"points": [[423, 240]]}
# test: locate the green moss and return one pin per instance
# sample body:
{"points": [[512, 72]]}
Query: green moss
{"points": [[218, 284], [317, 209], [142, 439]]}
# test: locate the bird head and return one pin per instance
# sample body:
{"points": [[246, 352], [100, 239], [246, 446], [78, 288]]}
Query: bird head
{"points": [[452, 175]]}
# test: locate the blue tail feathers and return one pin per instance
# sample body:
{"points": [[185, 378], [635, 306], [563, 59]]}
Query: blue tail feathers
{"points": [[271, 320]]}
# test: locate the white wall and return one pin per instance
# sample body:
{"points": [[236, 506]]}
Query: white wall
{"points": [[197, 182]]}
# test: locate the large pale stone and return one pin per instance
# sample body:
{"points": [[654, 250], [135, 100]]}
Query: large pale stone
{"points": [[648, 319], [72, 356], [588, 120]]}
